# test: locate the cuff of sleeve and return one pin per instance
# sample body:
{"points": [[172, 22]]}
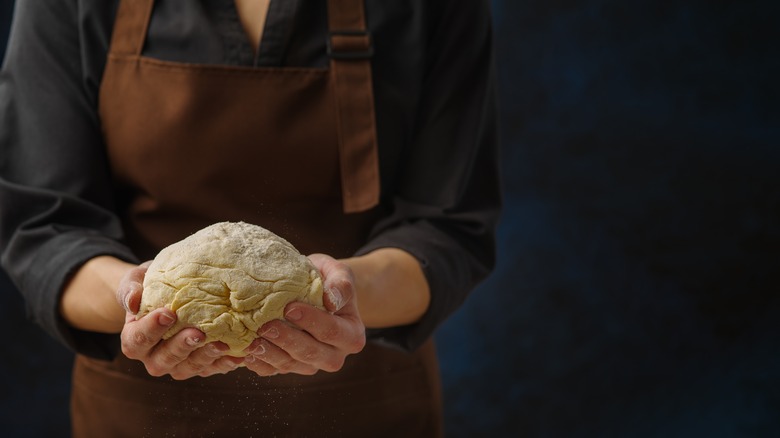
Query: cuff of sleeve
{"points": [[61, 257], [440, 265]]}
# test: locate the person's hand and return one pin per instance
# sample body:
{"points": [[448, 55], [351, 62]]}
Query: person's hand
{"points": [[312, 339], [184, 355]]}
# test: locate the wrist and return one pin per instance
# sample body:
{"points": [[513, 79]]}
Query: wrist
{"points": [[391, 288], [88, 300]]}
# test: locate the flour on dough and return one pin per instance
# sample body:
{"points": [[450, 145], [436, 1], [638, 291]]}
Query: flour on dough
{"points": [[228, 280]]}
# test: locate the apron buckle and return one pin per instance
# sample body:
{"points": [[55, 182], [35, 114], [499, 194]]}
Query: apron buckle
{"points": [[350, 45]]}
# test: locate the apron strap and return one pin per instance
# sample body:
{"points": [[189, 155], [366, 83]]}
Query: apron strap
{"points": [[350, 50], [130, 27]]}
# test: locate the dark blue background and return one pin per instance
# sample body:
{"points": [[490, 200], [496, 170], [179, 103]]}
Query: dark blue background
{"points": [[637, 292]]}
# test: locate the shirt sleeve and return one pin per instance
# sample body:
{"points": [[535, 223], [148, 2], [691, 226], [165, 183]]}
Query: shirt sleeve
{"points": [[446, 198], [56, 206]]}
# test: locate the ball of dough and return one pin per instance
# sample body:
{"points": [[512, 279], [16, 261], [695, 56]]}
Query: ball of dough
{"points": [[229, 279]]}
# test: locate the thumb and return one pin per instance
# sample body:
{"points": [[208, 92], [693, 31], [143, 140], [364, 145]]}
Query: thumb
{"points": [[131, 287]]}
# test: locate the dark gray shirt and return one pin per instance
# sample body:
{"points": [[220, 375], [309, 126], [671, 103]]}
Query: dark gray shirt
{"points": [[435, 106]]}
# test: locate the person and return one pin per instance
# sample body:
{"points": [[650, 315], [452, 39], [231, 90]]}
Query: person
{"points": [[361, 131]]}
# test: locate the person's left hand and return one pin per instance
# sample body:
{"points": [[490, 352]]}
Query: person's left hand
{"points": [[312, 339]]}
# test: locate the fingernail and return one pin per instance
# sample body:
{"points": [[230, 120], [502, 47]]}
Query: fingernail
{"points": [[165, 320], [294, 314], [250, 359], [271, 333], [214, 350], [259, 349], [130, 290], [256, 348], [335, 297], [193, 341], [127, 302]]}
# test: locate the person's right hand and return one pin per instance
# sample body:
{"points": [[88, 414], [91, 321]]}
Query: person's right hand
{"points": [[184, 355]]}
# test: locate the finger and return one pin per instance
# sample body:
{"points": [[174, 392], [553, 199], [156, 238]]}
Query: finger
{"points": [[223, 365], [338, 283], [140, 336], [282, 362], [257, 365], [212, 359], [209, 353], [344, 332], [254, 360], [128, 294], [291, 350], [171, 356], [205, 357], [206, 360]]}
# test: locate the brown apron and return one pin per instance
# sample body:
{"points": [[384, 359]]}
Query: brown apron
{"points": [[290, 149]]}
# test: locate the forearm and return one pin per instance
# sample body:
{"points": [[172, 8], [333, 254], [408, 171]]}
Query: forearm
{"points": [[392, 291], [391, 287], [89, 298]]}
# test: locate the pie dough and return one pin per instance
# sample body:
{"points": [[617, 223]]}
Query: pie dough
{"points": [[228, 280]]}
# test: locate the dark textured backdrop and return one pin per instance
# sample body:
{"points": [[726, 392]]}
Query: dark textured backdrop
{"points": [[637, 292]]}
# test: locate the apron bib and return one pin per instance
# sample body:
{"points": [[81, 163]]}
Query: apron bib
{"points": [[290, 149]]}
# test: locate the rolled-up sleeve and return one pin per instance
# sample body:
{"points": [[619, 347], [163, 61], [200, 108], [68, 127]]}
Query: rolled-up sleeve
{"points": [[446, 199], [56, 205]]}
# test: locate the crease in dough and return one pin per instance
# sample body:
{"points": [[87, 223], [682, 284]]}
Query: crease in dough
{"points": [[227, 280]]}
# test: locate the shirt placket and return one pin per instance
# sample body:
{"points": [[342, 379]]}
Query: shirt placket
{"points": [[277, 32], [237, 50]]}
